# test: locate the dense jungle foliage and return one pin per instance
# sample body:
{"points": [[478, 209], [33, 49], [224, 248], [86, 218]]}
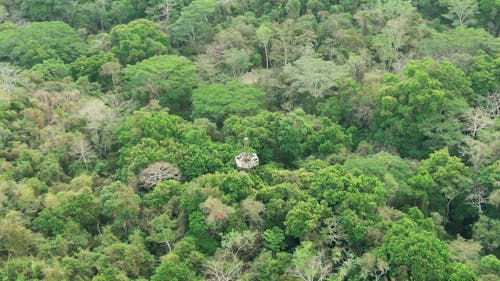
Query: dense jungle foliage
{"points": [[376, 124]]}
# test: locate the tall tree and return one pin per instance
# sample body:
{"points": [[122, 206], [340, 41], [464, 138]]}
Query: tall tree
{"points": [[413, 254], [39, 41], [391, 40], [169, 79], [194, 25], [450, 179], [460, 12], [421, 112], [219, 101], [315, 76], [310, 264], [138, 40], [264, 34]]}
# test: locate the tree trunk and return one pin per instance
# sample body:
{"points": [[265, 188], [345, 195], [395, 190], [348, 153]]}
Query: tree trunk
{"points": [[267, 57]]}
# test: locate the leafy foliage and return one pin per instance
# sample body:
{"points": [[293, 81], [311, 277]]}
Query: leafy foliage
{"points": [[375, 124], [40, 41], [218, 101], [137, 40], [169, 79]]}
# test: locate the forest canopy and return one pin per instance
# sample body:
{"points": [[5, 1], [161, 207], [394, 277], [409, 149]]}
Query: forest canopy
{"points": [[376, 126]]}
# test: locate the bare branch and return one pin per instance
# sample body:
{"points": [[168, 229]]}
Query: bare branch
{"points": [[478, 197], [224, 266], [82, 150], [8, 75], [477, 119], [158, 172]]}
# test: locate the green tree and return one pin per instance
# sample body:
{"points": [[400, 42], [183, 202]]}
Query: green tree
{"points": [[462, 271], [219, 101], [237, 186], [47, 10], [420, 112], [173, 269], [51, 69], [39, 41], [50, 170], [287, 137], [264, 34], [162, 194], [268, 268], [328, 139], [392, 170], [259, 129], [279, 200], [83, 208], [15, 238], [459, 45], [198, 228], [138, 40], [303, 219], [290, 134], [194, 25], [489, 267], [342, 191], [489, 15], [147, 135], [391, 40], [111, 274], [315, 76], [163, 230], [274, 239], [237, 61], [169, 79], [79, 266], [484, 75], [48, 223], [293, 9], [460, 12], [417, 255], [90, 66], [146, 124], [131, 259], [121, 205], [486, 231], [24, 268], [93, 16], [450, 179]]}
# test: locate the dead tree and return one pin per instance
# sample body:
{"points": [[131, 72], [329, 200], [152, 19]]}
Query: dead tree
{"points": [[316, 268], [82, 150], [158, 172], [478, 197], [223, 267], [8, 75], [476, 120]]}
